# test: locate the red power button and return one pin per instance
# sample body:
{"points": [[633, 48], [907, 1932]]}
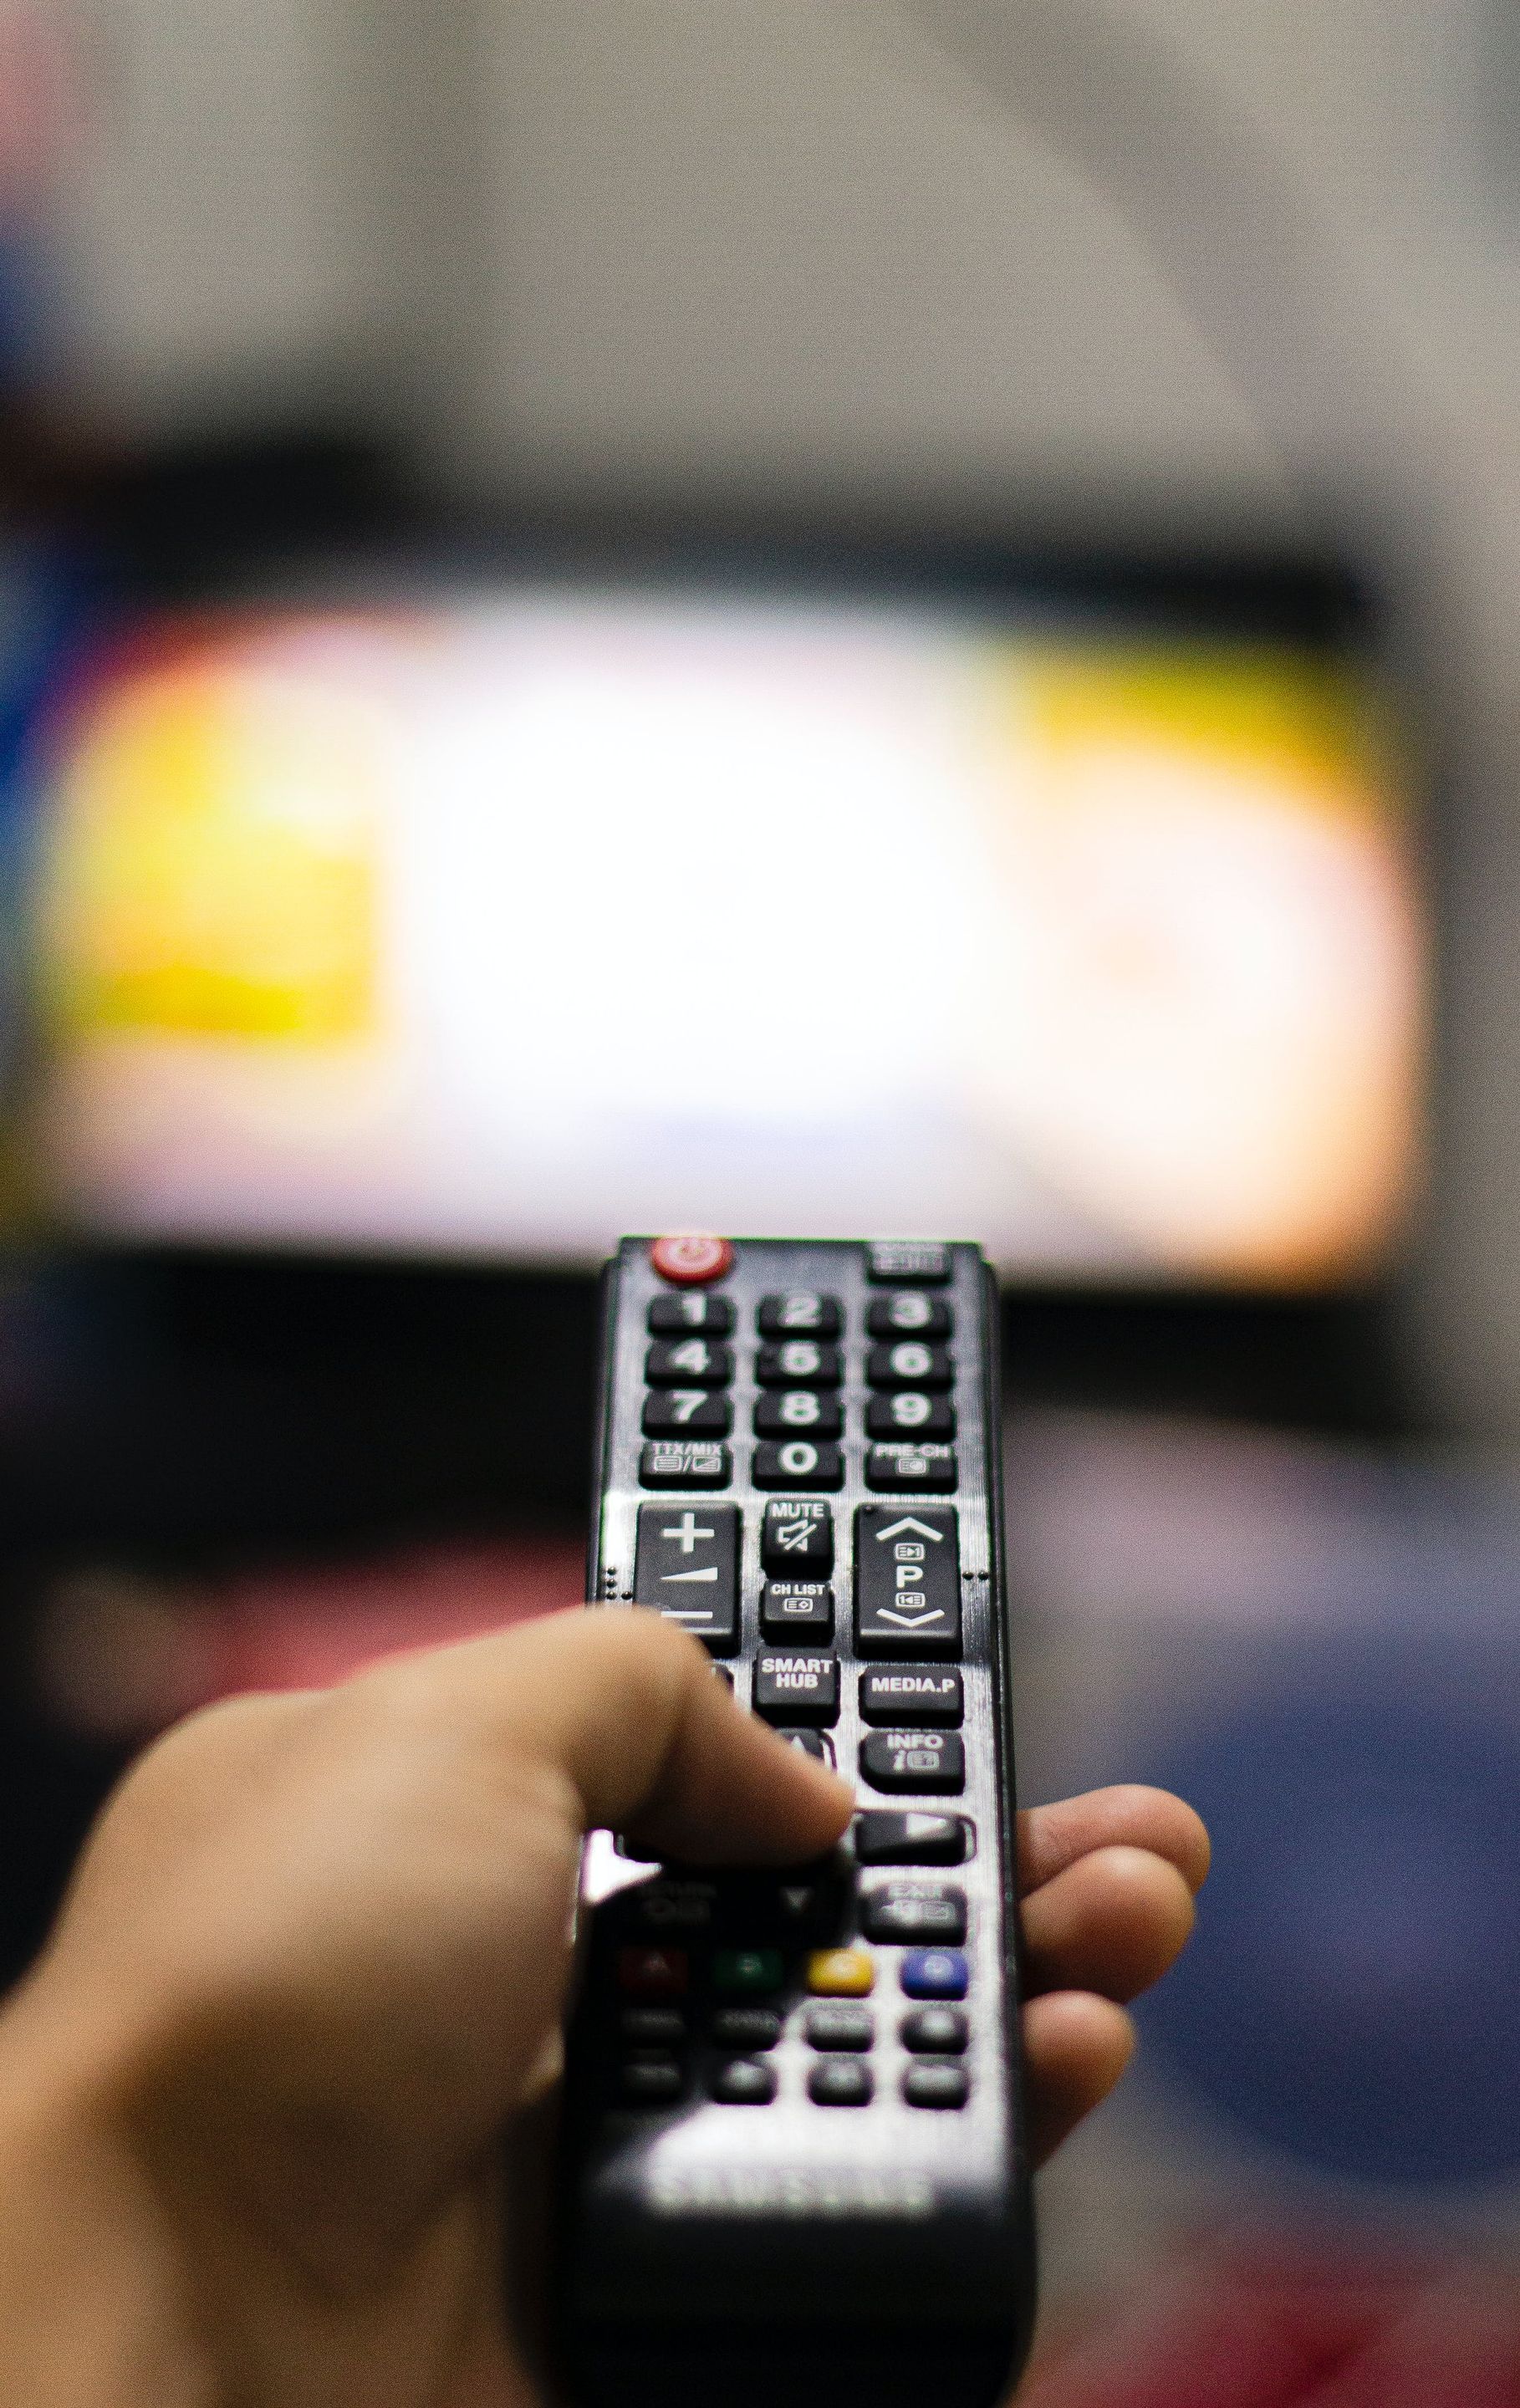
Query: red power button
{"points": [[691, 1259]]}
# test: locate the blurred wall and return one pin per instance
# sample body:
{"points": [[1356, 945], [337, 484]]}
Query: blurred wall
{"points": [[603, 245]]}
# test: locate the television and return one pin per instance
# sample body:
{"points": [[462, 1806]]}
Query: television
{"points": [[482, 918]]}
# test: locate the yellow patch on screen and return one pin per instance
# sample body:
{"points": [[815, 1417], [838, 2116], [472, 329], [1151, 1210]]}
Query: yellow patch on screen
{"points": [[213, 871]]}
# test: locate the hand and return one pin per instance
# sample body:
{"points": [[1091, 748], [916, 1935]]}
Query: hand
{"points": [[315, 1957]]}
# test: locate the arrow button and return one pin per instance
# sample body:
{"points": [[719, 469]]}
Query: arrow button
{"points": [[908, 1581]]}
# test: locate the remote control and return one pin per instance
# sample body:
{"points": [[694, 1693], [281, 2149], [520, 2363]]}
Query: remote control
{"points": [[792, 2145]]}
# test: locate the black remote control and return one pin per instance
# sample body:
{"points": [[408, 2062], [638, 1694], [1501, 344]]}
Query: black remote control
{"points": [[793, 2145]]}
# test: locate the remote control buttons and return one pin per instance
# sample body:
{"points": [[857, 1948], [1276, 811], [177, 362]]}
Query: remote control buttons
{"points": [[910, 1314], [915, 1470], [933, 1762], [930, 1697], [839, 2027], [798, 1413], [744, 2082], [650, 2081], [673, 1316], [687, 1567], [907, 1262], [800, 1614], [803, 1313], [746, 2028], [670, 1411], [797, 1688], [908, 1412], [797, 1536], [907, 1581], [812, 1742], [798, 1463], [651, 2027], [799, 1363], [934, 1974], [653, 1973], [841, 2082], [909, 1363], [688, 1363], [841, 1973], [936, 2085], [692, 1259], [684, 1463], [749, 1970], [883, 1839], [903, 1912], [934, 2032]]}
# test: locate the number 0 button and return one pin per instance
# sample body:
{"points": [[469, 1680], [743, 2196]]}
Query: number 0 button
{"points": [[798, 1463]]}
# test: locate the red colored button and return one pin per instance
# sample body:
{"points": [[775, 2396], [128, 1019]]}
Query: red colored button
{"points": [[653, 1972], [691, 1259]]}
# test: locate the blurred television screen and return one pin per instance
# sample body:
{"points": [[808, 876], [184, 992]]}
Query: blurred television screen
{"points": [[494, 922]]}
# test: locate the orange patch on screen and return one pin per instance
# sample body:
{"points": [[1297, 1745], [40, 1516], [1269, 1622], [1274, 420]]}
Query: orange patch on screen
{"points": [[213, 868]]}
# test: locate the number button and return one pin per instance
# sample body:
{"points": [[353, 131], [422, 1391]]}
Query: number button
{"points": [[799, 1363], [798, 1463], [911, 1364], [908, 1314], [688, 1363], [908, 1412], [802, 1311], [669, 1410], [670, 1315], [798, 1413]]}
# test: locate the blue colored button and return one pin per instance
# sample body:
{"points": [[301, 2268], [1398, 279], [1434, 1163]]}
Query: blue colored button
{"points": [[934, 1974]]}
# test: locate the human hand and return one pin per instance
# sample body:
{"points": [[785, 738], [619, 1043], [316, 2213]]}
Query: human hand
{"points": [[316, 1957]]}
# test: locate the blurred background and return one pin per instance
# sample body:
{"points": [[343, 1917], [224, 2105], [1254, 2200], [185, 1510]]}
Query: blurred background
{"points": [[883, 618]]}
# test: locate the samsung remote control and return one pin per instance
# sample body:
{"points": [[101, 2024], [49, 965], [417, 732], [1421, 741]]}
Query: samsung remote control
{"points": [[793, 2145]]}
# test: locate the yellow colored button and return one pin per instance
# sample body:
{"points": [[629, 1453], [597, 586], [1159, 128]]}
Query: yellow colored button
{"points": [[840, 1973]]}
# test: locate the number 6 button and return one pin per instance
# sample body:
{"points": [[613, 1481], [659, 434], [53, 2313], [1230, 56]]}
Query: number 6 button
{"points": [[911, 1364]]}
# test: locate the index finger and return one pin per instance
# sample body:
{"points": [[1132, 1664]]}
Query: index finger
{"points": [[625, 1711]]}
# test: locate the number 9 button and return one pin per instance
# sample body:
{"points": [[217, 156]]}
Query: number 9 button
{"points": [[909, 1366]]}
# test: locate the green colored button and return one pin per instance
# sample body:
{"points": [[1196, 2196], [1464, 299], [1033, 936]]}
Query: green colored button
{"points": [[747, 1969]]}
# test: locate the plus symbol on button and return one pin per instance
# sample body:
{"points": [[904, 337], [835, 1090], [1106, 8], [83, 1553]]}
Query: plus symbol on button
{"points": [[686, 1532]]}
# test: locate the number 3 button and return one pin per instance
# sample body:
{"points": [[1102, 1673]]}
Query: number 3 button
{"points": [[798, 1463]]}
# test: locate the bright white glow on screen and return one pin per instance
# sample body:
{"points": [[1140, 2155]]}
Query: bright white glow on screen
{"points": [[507, 927]]}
